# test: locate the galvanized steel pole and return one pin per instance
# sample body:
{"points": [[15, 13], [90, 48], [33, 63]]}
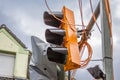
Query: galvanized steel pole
{"points": [[106, 43]]}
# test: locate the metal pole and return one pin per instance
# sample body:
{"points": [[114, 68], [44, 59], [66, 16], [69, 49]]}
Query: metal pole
{"points": [[96, 13], [106, 43], [101, 79], [92, 22], [69, 75]]}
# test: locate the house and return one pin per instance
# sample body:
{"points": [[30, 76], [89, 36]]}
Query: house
{"points": [[14, 56]]}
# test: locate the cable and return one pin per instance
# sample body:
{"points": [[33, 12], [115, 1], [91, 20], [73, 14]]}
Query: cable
{"points": [[81, 13], [73, 74], [97, 60], [107, 6], [58, 18], [83, 41], [84, 63], [82, 44], [94, 17]]}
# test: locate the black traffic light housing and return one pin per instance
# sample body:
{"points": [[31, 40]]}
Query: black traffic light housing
{"points": [[96, 72], [55, 36], [57, 54], [49, 18]]}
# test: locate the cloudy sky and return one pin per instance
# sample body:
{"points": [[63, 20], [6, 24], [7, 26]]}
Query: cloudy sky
{"points": [[25, 18]]}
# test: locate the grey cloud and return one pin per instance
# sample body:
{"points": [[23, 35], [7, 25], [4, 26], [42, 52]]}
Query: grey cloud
{"points": [[33, 11]]}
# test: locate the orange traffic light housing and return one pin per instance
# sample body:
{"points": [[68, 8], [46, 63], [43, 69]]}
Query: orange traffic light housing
{"points": [[70, 40], [66, 35]]}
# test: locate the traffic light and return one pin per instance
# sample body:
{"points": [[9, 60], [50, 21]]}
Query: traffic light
{"points": [[96, 72], [40, 67], [64, 34]]}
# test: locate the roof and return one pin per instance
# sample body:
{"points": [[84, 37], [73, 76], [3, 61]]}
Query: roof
{"points": [[13, 35]]}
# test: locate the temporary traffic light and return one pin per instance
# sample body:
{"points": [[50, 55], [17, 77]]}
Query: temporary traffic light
{"points": [[65, 35]]}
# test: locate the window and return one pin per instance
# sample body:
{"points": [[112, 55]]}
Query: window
{"points": [[7, 62]]}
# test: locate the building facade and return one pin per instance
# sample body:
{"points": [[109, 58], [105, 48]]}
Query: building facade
{"points": [[14, 56]]}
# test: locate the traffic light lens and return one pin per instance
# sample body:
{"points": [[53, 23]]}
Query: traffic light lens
{"points": [[57, 55], [50, 20], [54, 36]]}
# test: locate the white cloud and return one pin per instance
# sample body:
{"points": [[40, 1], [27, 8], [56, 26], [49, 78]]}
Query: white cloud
{"points": [[117, 9], [26, 22]]}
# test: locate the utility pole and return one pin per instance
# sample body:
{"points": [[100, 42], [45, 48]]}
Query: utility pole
{"points": [[107, 51], [106, 41], [69, 75]]}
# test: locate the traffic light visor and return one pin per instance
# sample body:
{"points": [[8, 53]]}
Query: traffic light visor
{"points": [[50, 20], [57, 54], [55, 36]]}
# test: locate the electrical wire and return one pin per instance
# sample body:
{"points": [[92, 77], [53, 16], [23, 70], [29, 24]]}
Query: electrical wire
{"points": [[94, 17], [107, 6], [85, 62], [73, 73], [82, 44], [57, 17], [81, 13], [82, 21]]}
